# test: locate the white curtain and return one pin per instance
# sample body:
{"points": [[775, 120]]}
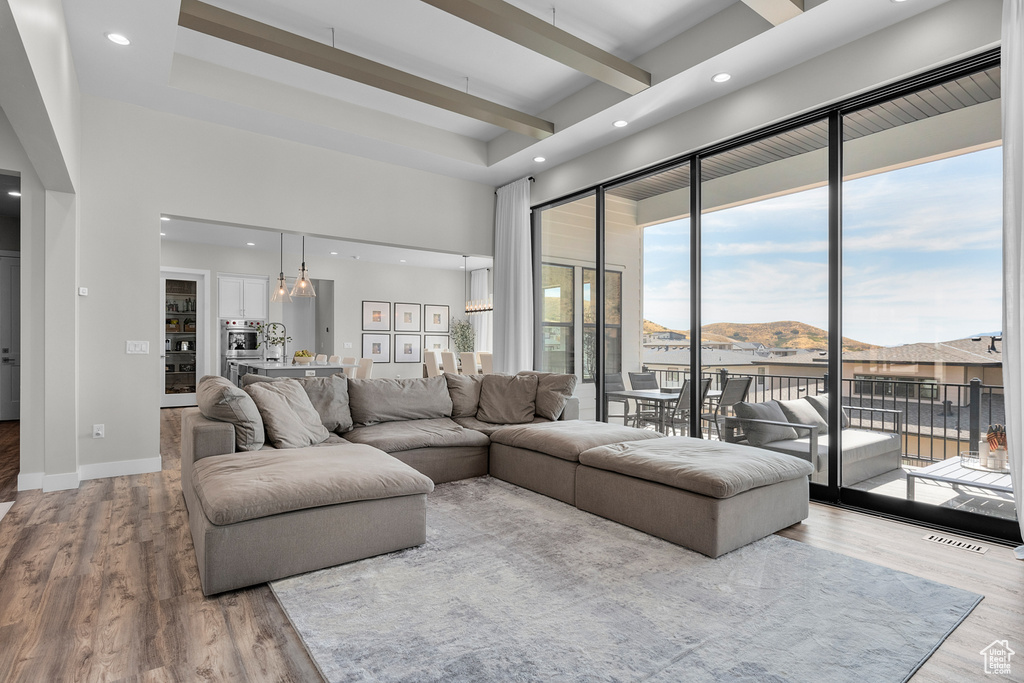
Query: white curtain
{"points": [[480, 290], [1013, 244], [513, 279]]}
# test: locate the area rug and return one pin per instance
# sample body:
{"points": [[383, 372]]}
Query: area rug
{"points": [[514, 586]]}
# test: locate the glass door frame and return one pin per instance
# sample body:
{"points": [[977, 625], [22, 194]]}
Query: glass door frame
{"points": [[925, 514]]}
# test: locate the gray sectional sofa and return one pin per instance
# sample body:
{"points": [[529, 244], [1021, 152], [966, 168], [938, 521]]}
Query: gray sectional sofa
{"points": [[291, 475]]}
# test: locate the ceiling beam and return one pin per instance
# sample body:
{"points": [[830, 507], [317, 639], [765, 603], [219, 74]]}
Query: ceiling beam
{"points": [[219, 23], [776, 11], [538, 35]]}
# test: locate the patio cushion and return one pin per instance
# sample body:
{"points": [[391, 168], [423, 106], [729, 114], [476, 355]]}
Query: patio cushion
{"points": [[858, 444], [820, 404], [566, 439], [803, 413], [760, 434], [392, 437]]}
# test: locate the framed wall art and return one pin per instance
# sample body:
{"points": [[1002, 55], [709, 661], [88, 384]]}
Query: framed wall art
{"points": [[377, 347], [408, 348], [407, 318], [376, 316], [436, 342], [435, 318]]}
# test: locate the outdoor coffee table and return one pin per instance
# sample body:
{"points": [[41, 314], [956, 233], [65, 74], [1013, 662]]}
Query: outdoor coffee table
{"points": [[952, 472]]}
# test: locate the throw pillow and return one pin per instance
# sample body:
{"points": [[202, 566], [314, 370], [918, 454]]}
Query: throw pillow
{"points": [[219, 399], [820, 404], [392, 400], [761, 434], [329, 396], [465, 393], [803, 413], [289, 417], [508, 399], [553, 391]]}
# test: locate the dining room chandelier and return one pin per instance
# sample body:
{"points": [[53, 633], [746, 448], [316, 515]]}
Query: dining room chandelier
{"points": [[303, 287], [483, 305], [281, 293]]}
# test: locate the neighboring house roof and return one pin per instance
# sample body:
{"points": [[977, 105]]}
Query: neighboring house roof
{"points": [[716, 357], [957, 351]]}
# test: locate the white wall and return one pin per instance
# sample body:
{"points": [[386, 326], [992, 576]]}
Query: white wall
{"points": [[948, 32], [354, 282]]}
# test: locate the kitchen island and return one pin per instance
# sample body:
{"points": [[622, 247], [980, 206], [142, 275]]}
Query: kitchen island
{"points": [[275, 369]]}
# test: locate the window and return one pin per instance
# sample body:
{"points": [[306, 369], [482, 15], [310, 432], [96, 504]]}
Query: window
{"points": [[557, 329], [612, 323]]}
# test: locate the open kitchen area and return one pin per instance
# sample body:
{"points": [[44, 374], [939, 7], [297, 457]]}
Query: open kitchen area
{"points": [[231, 304]]}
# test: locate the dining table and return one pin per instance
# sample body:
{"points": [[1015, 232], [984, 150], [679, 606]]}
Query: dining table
{"points": [[663, 399]]}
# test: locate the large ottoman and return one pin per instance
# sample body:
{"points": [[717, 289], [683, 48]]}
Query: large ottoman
{"points": [[544, 457], [708, 496]]}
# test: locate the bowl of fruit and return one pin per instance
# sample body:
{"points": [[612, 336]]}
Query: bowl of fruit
{"points": [[303, 357]]}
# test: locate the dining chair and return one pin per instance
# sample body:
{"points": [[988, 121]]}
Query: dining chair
{"points": [[431, 363], [467, 361], [333, 359], [647, 412], [613, 382], [680, 418], [365, 369], [349, 372], [486, 363], [734, 391], [449, 362]]}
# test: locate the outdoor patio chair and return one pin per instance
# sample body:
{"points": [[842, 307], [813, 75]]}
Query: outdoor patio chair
{"points": [[734, 391], [646, 411], [680, 418], [613, 382]]}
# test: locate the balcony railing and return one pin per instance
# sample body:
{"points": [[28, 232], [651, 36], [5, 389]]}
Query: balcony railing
{"points": [[938, 419]]}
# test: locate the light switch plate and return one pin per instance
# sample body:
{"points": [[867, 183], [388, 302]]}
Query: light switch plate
{"points": [[137, 347], [348, 345]]}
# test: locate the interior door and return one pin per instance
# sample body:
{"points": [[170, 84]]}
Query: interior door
{"points": [[10, 338]]}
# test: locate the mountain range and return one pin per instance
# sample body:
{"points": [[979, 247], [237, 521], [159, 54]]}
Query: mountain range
{"points": [[788, 334]]}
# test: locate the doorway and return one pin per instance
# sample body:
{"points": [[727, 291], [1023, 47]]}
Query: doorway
{"points": [[10, 335]]}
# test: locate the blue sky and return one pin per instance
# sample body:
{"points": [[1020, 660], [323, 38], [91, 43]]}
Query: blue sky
{"points": [[922, 256]]}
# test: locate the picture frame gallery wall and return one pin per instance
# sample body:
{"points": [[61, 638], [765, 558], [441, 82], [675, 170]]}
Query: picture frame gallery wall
{"points": [[406, 320]]}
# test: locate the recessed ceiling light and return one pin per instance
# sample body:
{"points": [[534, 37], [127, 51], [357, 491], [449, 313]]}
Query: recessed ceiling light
{"points": [[401, 260], [462, 267], [356, 258], [164, 218], [539, 160], [334, 253], [721, 78], [899, 0], [118, 39], [250, 244], [163, 234], [14, 193], [621, 123]]}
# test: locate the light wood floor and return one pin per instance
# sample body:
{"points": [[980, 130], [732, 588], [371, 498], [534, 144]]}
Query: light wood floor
{"points": [[10, 435], [100, 584]]}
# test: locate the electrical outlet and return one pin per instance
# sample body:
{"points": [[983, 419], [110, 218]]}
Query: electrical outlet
{"points": [[98, 431], [310, 373], [348, 345], [83, 291]]}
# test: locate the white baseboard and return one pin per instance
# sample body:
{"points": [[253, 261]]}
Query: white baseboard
{"points": [[30, 480], [120, 468], [70, 480]]}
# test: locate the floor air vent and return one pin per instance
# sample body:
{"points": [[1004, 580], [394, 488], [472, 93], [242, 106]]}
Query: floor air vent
{"points": [[956, 543]]}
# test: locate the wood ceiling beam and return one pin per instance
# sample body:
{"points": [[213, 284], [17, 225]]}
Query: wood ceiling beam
{"points": [[213, 21], [538, 35], [776, 11]]}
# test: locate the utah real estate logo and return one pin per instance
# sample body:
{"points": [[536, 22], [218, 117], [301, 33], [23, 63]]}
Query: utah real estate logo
{"points": [[997, 657]]}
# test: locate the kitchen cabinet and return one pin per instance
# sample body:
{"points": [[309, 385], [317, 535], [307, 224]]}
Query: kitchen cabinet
{"points": [[242, 298]]}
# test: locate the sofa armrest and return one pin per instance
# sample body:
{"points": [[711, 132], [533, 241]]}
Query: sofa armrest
{"points": [[202, 437], [731, 422], [571, 411]]}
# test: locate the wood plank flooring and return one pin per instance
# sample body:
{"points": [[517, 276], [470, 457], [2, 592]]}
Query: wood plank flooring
{"points": [[10, 437], [100, 584]]}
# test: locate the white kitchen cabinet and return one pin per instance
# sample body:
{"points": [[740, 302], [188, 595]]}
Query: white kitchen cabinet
{"points": [[242, 298]]}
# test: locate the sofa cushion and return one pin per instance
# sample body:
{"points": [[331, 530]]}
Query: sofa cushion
{"points": [[465, 393], [487, 427], [858, 444], [239, 486], [802, 412], [566, 439], [329, 396], [820, 404], [508, 399], [219, 399], [553, 391], [760, 434], [289, 417], [389, 400], [392, 437], [710, 468]]}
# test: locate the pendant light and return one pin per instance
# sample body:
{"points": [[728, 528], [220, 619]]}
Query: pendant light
{"points": [[303, 287], [474, 305], [281, 293]]}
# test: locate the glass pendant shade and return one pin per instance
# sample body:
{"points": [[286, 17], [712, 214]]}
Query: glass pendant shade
{"points": [[280, 295], [303, 287]]}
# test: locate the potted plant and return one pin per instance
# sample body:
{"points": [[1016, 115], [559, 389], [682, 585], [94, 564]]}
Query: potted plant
{"points": [[463, 335], [272, 338]]}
